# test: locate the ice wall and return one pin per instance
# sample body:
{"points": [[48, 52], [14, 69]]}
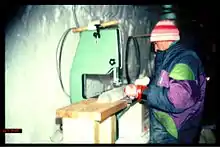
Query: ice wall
{"points": [[32, 88]]}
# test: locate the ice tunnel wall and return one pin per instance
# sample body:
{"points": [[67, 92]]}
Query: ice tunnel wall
{"points": [[32, 88]]}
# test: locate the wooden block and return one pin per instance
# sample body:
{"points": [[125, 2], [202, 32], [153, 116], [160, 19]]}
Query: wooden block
{"points": [[84, 130], [107, 130], [90, 121], [91, 109]]}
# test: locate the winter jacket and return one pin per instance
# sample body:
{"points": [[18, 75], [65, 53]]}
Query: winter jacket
{"points": [[175, 96]]}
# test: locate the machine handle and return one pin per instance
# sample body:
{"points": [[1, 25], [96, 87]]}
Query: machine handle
{"points": [[81, 29], [109, 23], [103, 25]]}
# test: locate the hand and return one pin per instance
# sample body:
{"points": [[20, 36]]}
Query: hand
{"points": [[134, 91], [131, 91]]}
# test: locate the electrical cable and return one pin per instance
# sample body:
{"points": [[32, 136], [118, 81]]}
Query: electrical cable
{"points": [[137, 54], [59, 50], [58, 58], [58, 63]]}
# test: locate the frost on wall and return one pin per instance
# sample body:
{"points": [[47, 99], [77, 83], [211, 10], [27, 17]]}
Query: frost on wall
{"points": [[33, 91]]}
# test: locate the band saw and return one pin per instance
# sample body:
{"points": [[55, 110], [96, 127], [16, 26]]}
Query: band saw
{"points": [[98, 63]]}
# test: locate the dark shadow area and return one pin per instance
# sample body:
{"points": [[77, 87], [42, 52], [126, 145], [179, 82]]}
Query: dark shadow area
{"points": [[12, 12], [198, 29]]}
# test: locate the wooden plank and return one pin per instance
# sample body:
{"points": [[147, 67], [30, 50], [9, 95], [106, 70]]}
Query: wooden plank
{"points": [[107, 130], [91, 109], [66, 111], [110, 109], [89, 131]]}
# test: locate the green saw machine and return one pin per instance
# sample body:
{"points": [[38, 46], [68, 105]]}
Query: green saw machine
{"points": [[99, 58], [98, 54], [98, 61], [97, 64]]}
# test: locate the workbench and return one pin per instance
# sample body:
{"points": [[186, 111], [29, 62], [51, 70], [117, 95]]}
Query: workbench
{"points": [[89, 121]]}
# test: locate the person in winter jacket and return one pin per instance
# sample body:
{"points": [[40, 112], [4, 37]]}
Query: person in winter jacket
{"points": [[175, 94]]}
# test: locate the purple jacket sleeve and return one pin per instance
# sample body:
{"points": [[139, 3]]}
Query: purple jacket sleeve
{"points": [[171, 95], [183, 93]]}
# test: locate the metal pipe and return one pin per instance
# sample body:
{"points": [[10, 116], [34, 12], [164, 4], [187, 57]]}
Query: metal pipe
{"points": [[141, 36]]}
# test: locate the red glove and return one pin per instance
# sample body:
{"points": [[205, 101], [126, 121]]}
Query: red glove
{"points": [[135, 91]]}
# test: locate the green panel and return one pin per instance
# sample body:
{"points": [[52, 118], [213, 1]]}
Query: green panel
{"points": [[92, 57], [182, 72], [167, 122]]}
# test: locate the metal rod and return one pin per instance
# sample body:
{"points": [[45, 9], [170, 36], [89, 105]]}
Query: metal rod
{"points": [[103, 25], [142, 36]]}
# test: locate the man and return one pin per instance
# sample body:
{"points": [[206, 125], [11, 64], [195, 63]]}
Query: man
{"points": [[175, 94]]}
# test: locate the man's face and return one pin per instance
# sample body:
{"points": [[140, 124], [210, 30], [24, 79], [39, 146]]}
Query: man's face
{"points": [[161, 45]]}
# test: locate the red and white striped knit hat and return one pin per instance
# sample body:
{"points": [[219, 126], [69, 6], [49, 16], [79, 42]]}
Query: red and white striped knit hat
{"points": [[165, 30]]}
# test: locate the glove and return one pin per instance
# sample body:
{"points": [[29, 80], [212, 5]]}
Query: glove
{"points": [[135, 90], [131, 91], [143, 81]]}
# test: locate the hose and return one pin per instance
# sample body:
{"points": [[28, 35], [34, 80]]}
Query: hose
{"points": [[59, 57], [59, 50], [137, 54]]}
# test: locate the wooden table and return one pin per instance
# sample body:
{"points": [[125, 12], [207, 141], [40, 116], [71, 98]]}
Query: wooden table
{"points": [[89, 121]]}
